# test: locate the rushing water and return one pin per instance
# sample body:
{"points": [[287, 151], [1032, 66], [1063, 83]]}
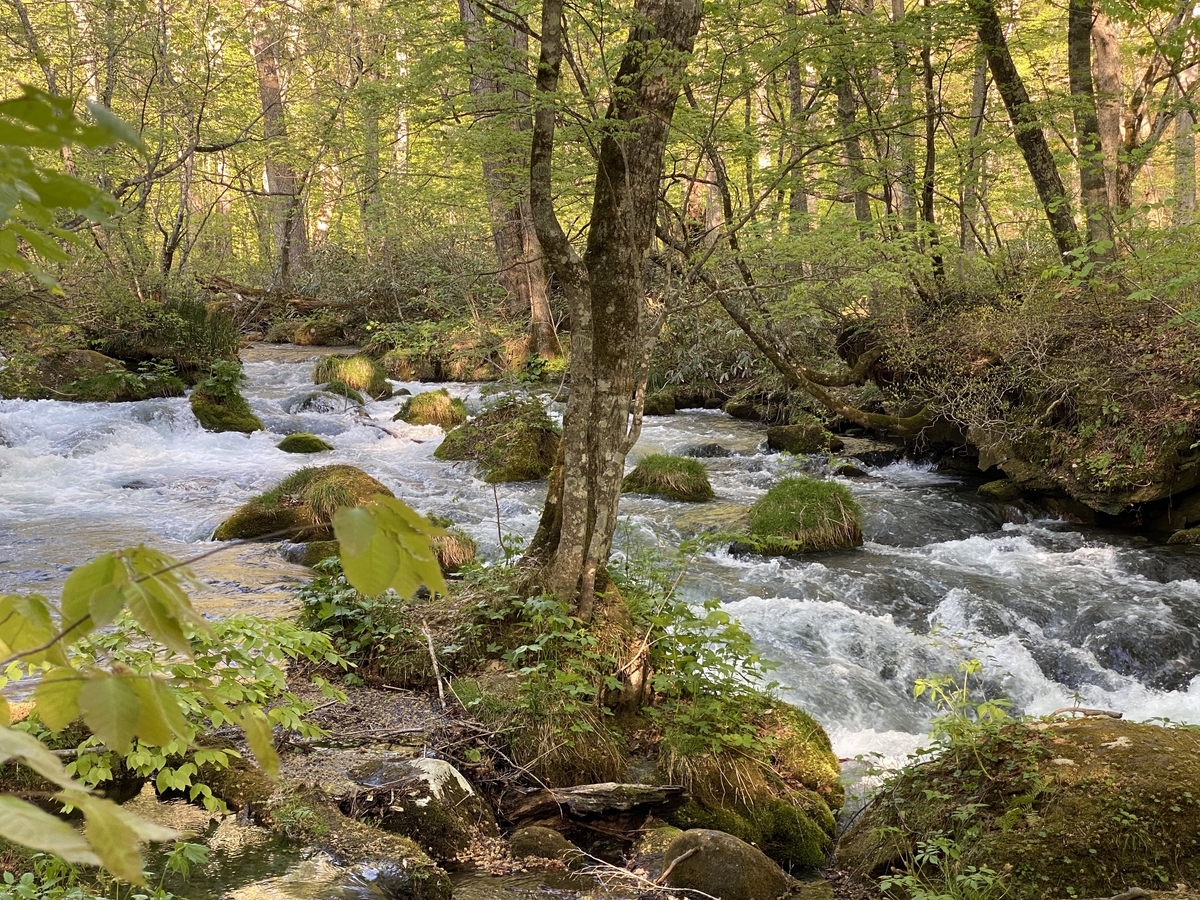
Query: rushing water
{"points": [[1054, 610]]}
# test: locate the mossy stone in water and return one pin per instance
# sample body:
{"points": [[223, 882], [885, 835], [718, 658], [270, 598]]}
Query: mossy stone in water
{"points": [[808, 437], [359, 372], [344, 390], [433, 408], [303, 442], [540, 842], [303, 503], [513, 441], [1088, 808], [740, 409], [675, 477], [225, 413], [1001, 490], [722, 866], [802, 515], [660, 404], [1187, 536]]}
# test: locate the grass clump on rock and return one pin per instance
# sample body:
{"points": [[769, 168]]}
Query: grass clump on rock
{"points": [[303, 442], [675, 477], [218, 404], [302, 504], [86, 376], [513, 441], [802, 515], [359, 372], [433, 408], [660, 404]]}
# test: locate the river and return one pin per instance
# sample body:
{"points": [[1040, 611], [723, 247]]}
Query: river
{"points": [[1058, 613]]}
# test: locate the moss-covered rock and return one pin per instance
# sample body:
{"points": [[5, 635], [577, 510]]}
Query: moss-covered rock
{"points": [[83, 376], [433, 408], [808, 437], [341, 389], [359, 372], [227, 412], [513, 441], [1001, 490], [1187, 536], [303, 504], [675, 477], [722, 866], [1084, 808], [660, 404], [399, 365], [303, 442], [740, 409], [539, 842], [318, 333], [309, 554], [802, 515]]}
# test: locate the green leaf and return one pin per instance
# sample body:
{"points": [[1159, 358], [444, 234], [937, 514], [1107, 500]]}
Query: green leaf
{"points": [[258, 735], [393, 551], [156, 617], [57, 697], [111, 709], [161, 719], [25, 625], [25, 824], [355, 529], [111, 837], [27, 749], [104, 573]]}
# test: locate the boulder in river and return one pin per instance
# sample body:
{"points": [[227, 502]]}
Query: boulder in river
{"points": [[433, 408], [303, 442], [1186, 536], [803, 515], [539, 842], [513, 441], [705, 451], [302, 504], [1002, 490], [225, 411], [722, 866], [83, 376], [360, 372], [660, 404], [740, 409], [1089, 807], [809, 437], [674, 477]]}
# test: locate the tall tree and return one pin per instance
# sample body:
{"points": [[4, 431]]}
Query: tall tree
{"points": [[1093, 187], [610, 330]]}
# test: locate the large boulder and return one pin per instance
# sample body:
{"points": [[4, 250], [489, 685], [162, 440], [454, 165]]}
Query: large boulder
{"points": [[302, 504], [674, 477], [537, 842], [806, 436], [513, 441], [83, 376], [802, 515], [360, 372], [722, 866], [1084, 808]]}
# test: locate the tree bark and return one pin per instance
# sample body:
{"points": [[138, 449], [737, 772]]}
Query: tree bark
{"points": [[605, 288], [798, 197], [967, 238], [498, 52], [1185, 169], [1026, 126], [1093, 186], [1110, 92], [906, 183], [847, 114], [288, 219], [929, 174]]}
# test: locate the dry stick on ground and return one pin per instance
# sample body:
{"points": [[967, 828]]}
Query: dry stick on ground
{"points": [[1079, 710], [437, 672]]}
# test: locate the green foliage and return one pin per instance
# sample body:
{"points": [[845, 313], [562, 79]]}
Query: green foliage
{"points": [[181, 330], [803, 515], [669, 476], [49, 878], [514, 440]]}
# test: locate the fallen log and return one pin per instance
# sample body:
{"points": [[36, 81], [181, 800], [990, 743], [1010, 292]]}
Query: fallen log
{"points": [[625, 803]]}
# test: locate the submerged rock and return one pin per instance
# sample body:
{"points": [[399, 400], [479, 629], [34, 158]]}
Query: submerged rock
{"points": [[302, 504], [705, 451], [675, 477], [513, 441], [1090, 808], [303, 442], [721, 866]]}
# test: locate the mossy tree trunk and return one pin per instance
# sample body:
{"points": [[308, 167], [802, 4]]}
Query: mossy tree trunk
{"points": [[1093, 187], [610, 331]]}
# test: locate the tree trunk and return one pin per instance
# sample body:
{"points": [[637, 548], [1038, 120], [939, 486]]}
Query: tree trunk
{"points": [[905, 145], [930, 173], [967, 238], [605, 290], [1106, 69], [286, 203], [498, 53], [1026, 127], [1185, 169], [847, 114], [1093, 187]]}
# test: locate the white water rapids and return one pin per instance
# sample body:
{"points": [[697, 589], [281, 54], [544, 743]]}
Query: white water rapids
{"points": [[1054, 611]]}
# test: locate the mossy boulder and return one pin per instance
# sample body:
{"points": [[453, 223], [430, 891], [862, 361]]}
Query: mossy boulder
{"points": [[360, 372], [303, 504], [303, 442], [223, 412], [318, 333], [341, 389], [83, 376], [536, 842], [802, 515], [513, 441], [675, 477], [660, 404], [740, 409], [309, 554], [1187, 536], [1001, 490], [808, 437], [1084, 808], [722, 866], [433, 408]]}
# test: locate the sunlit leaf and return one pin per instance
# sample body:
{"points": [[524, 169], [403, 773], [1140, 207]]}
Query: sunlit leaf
{"points": [[57, 697], [25, 824], [258, 735], [111, 709]]}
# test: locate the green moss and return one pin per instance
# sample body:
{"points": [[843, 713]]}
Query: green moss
{"points": [[316, 551], [124, 387], [660, 404], [304, 503], [226, 413], [359, 372], [47, 377], [1002, 490], [669, 476], [1085, 808], [344, 390], [808, 437], [740, 409], [513, 441], [303, 442], [1187, 536], [794, 833], [802, 515], [433, 408]]}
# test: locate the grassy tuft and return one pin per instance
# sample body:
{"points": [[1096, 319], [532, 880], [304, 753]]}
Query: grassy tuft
{"points": [[801, 515], [675, 477], [433, 408], [359, 372]]}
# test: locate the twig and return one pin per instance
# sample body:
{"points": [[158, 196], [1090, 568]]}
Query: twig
{"points": [[1079, 710], [437, 672], [499, 533], [676, 861]]}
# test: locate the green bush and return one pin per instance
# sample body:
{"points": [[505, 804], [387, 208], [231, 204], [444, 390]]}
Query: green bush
{"points": [[669, 476], [513, 441]]}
